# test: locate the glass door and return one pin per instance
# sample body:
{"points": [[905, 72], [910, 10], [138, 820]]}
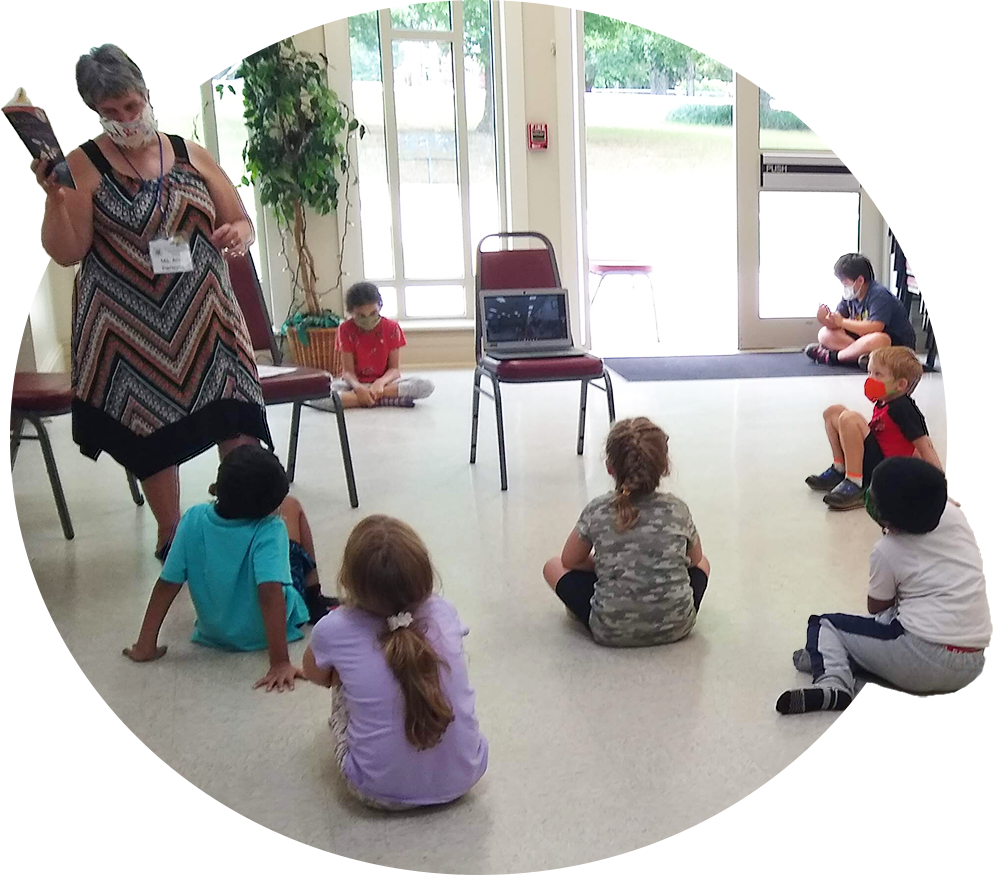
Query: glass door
{"points": [[660, 193], [811, 135], [423, 83]]}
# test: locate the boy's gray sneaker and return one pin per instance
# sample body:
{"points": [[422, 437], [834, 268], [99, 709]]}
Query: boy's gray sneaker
{"points": [[863, 362], [825, 482], [845, 496]]}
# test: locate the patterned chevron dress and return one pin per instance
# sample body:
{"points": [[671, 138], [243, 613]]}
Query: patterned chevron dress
{"points": [[162, 364]]}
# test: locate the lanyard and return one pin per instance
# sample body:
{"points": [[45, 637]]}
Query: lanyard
{"points": [[160, 179]]}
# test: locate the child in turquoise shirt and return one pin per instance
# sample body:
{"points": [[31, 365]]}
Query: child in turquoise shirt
{"points": [[235, 557]]}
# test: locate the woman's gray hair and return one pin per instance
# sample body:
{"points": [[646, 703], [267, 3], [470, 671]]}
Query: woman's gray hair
{"points": [[105, 72]]}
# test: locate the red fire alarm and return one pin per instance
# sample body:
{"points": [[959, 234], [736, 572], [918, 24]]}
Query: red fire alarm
{"points": [[537, 136]]}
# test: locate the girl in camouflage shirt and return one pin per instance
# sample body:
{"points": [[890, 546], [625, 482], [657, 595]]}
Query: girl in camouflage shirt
{"points": [[632, 570]]}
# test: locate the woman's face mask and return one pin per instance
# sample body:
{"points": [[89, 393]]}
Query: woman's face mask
{"points": [[132, 135], [367, 322]]}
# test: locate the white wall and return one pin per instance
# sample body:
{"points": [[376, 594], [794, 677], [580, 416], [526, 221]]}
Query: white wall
{"points": [[932, 78], [50, 321], [919, 125]]}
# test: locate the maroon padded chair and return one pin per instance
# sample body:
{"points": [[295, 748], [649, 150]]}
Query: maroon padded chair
{"points": [[526, 269], [296, 387], [35, 398]]}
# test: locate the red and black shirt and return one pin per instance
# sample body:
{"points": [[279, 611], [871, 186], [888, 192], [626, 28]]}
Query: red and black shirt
{"points": [[896, 424]]}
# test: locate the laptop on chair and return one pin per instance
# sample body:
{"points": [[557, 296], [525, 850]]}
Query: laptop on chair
{"points": [[526, 323]]}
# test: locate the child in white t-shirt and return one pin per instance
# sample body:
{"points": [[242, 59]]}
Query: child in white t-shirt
{"points": [[930, 619]]}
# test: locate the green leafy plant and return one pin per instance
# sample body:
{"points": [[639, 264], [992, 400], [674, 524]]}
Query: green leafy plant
{"points": [[703, 114], [722, 115], [298, 155], [782, 120]]}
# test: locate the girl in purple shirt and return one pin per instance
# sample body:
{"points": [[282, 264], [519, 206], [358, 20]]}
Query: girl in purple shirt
{"points": [[403, 712]]}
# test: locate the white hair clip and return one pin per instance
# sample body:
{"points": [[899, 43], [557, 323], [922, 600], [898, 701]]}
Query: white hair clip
{"points": [[399, 621]]}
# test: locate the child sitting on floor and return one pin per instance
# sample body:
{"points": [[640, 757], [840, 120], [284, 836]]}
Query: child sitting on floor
{"points": [[897, 428], [403, 711], [644, 580], [868, 317], [235, 557], [370, 348], [930, 620]]}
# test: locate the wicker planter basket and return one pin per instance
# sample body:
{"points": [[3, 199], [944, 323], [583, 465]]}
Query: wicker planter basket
{"points": [[321, 350]]}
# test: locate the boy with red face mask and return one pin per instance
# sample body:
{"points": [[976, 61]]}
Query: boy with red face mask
{"points": [[897, 428]]}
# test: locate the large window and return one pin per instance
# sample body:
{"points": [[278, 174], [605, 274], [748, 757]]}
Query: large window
{"points": [[423, 85], [148, 30]]}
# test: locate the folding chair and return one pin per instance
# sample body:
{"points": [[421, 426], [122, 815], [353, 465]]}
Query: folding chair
{"points": [[526, 269], [298, 385], [36, 397]]}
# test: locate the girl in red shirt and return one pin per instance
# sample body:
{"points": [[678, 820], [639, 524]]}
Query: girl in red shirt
{"points": [[370, 345]]}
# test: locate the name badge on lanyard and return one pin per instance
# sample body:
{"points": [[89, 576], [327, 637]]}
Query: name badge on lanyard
{"points": [[170, 256], [167, 254]]}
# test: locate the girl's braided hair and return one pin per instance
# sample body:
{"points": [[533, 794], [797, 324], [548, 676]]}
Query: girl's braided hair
{"points": [[639, 457]]}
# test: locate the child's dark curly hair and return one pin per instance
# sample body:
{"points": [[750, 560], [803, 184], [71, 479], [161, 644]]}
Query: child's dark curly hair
{"points": [[910, 494], [360, 294], [250, 484]]}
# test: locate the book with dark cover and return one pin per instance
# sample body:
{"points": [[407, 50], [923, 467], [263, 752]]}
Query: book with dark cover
{"points": [[32, 126]]}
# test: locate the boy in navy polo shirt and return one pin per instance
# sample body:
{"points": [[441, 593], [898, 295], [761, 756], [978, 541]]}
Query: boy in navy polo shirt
{"points": [[869, 317], [897, 428]]}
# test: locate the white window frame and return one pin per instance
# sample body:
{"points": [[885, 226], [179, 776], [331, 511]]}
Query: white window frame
{"points": [[337, 37]]}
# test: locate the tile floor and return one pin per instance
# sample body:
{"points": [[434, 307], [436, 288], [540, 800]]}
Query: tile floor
{"points": [[593, 752]]}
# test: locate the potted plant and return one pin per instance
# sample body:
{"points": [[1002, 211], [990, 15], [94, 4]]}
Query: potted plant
{"points": [[298, 155]]}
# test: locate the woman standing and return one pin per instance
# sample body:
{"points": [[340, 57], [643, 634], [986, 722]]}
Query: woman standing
{"points": [[162, 364]]}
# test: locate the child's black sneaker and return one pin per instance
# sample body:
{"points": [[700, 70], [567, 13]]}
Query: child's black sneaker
{"points": [[863, 362], [820, 354], [825, 482], [845, 496], [318, 604], [934, 785]]}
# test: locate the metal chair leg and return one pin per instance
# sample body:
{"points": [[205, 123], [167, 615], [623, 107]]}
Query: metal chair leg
{"points": [[596, 291], [16, 430], [584, 387], [343, 436], [652, 297], [291, 455], [610, 395], [504, 482], [134, 489], [475, 403], [50, 467]]}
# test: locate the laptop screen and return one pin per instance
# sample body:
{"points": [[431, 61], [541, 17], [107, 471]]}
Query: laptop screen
{"points": [[521, 318]]}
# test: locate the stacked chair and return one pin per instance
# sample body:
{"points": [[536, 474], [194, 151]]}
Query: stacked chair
{"points": [[916, 223]]}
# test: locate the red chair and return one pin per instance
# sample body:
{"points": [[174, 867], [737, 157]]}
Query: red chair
{"points": [[526, 269], [35, 398], [604, 269], [300, 384]]}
